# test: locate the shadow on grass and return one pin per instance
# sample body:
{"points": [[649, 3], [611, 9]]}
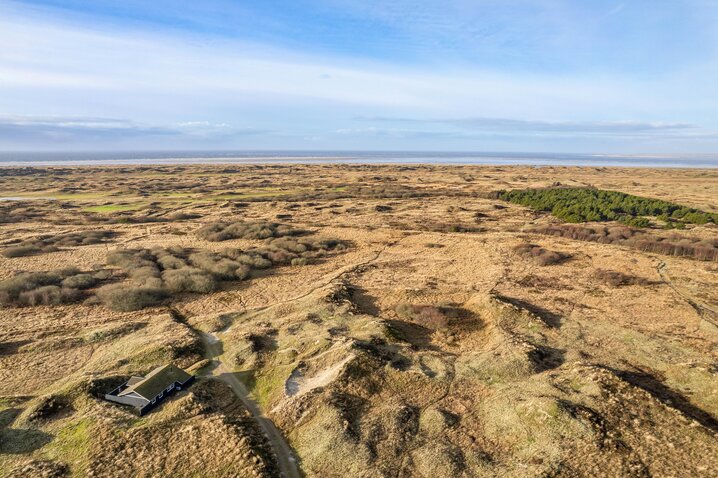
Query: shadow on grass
{"points": [[17, 441], [667, 396], [549, 318]]}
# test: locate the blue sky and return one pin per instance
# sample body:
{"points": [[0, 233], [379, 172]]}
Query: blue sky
{"points": [[482, 75]]}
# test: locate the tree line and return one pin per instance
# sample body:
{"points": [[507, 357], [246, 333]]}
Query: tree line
{"points": [[578, 205]]}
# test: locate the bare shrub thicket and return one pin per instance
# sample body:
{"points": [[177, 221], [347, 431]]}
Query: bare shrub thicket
{"points": [[429, 316], [20, 211], [47, 288], [443, 227], [539, 255], [618, 279], [223, 231], [155, 275], [671, 244], [47, 243], [148, 216]]}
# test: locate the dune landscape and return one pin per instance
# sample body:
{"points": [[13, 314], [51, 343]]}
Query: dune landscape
{"points": [[356, 320]]}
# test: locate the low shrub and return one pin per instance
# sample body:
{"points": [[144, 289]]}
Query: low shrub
{"points": [[125, 298], [251, 258], [539, 255], [223, 231], [152, 276], [449, 227], [45, 295], [672, 244], [46, 243], [618, 279], [176, 270], [220, 267], [22, 251], [44, 288], [189, 279], [429, 316], [79, 281]]}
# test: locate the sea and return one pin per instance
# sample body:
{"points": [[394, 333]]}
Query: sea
{"points": [[86, 158]]}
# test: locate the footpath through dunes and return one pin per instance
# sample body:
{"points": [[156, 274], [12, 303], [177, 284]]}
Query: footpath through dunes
{"points": [[286, 461]]}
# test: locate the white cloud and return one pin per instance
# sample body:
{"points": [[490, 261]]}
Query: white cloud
{"points": [[51, 56], [162, 80], [56, 130]]}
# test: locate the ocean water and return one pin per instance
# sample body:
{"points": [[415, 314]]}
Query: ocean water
{"points": [[355, 157]]}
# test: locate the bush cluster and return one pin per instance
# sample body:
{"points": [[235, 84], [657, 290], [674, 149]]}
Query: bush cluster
{"points": [[594, 205], [539, 255], [672, 244], [47, 288], [223, 231], [47, 243], [155, 275]]}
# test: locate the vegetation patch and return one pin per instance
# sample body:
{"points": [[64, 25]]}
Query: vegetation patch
{"points": [[539, 255], [156, 275], [672, 244], [105, 208], [595, 205], [49, 407], [48, 243], [429, 316], [223, 231], [159, 274], [47, 288], [72, 442], [619, 279]]}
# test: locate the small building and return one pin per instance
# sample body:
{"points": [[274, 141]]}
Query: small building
{"points": [[144, 393]]}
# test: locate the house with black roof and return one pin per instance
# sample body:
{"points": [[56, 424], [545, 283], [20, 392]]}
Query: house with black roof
{"points": [[146, 392]]}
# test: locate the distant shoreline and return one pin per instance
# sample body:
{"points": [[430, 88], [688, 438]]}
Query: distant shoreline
{"points": [[25, 159]]}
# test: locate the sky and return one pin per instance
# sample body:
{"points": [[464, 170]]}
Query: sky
{"points": [[589, 76]]}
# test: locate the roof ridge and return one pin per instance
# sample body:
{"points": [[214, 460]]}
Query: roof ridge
{"points": [[152, 384]]}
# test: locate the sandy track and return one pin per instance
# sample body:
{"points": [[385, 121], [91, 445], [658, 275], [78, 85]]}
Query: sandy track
{"points": [[285, 457], [703, 310]]}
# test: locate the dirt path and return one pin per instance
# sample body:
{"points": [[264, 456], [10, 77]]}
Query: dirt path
{"points": [[285, 458], [344, 272], [707, 314]]}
